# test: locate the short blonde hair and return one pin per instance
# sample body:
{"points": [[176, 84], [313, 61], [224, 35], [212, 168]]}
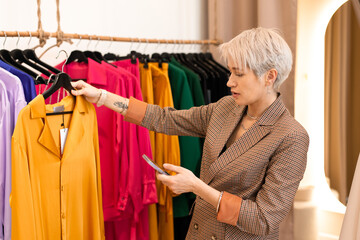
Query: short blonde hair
{"points": [[260, 49]]}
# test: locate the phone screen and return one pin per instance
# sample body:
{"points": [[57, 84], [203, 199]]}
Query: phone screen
{"points": [[154, 165]]}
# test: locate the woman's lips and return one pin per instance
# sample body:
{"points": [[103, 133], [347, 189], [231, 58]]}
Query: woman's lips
{"points": [[235, 95]]}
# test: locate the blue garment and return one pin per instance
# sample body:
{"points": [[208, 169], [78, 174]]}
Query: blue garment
{"points": [[26, 80]]}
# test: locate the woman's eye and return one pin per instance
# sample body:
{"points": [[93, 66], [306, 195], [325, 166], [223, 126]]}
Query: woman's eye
{"points": [[236, 74]]}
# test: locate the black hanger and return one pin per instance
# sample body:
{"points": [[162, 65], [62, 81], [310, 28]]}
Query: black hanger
{"points": [[7, 58], [91, 55], [210, 58], [19, 56], [77, 56], [133, 55], [99, 56], [110, 57], [30, 54], [61, 80]]}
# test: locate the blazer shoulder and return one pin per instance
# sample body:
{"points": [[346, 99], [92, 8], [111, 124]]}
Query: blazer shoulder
{"points": [[291, 126]]}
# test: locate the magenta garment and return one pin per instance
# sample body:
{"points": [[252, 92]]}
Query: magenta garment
{"points": [[12, 101], [128, 183], [130, 67]]}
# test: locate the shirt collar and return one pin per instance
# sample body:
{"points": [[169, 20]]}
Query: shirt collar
{"points": [[38, 106]]}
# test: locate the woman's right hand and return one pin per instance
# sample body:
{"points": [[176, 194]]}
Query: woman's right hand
{"points": [[91, 94]]}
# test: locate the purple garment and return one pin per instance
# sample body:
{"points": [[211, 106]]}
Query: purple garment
{"points": [[26, 80], [15, 102]]}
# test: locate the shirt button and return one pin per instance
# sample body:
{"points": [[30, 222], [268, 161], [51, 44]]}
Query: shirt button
{"points": [[196, 226], [213, 237], [62, 188], [63, 215]]}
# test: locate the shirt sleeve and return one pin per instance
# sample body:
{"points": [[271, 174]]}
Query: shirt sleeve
{"points": [[229, 209], [136, 111], [21, 201]]}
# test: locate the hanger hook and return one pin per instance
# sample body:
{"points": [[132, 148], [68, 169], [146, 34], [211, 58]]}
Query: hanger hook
{"points": [[98, 40], [147, 44], [167, 43], [111, 41], [89, 43], [157, 46], [5, 39], [139, 44], [17, 42], [174, 46], [78, 41], [67, 56], [29, 39], [132, 42]]}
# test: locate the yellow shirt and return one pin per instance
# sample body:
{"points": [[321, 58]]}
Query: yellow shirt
{"points": [[156, 89], [54, 195]]}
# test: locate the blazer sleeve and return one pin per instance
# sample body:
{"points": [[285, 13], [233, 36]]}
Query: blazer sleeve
{"points": [[168, 120], [262, 215]]}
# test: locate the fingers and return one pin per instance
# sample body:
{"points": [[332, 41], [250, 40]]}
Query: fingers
{"points": [[78, 92], [78, 84], [162, 177], [172, 167]]}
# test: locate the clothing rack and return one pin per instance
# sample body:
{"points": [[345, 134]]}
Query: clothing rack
{"points": [[67, 36]]}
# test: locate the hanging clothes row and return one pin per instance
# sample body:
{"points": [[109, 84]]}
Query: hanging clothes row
{"points": [[132, 202]]}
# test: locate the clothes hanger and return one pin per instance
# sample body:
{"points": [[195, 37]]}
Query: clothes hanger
{"points": [[61, 80], [8, 59], [31, 55], [100, 57], [110, 56], [18, 55], [77, 56]]}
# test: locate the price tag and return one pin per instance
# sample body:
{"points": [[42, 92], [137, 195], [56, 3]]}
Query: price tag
{"points": [[63, 136]]}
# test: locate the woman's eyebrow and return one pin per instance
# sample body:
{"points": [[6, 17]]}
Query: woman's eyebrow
{"points": [[234, 68]]}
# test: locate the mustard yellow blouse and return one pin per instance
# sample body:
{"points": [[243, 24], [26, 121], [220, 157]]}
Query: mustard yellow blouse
{"points": [[54, 195]]}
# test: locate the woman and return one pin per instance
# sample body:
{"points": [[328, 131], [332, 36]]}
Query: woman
{"points": [[254, 153]]}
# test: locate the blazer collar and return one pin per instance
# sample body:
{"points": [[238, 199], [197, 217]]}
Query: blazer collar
{"points": [[76, 129], [252, 136]]}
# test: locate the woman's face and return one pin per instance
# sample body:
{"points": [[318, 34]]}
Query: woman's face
{"points": [[246, 87]]}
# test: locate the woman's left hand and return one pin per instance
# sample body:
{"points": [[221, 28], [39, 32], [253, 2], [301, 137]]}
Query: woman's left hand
{"points": [[184, 180]]}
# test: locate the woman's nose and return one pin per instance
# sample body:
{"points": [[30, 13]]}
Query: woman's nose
{"points": [[230, 82]]}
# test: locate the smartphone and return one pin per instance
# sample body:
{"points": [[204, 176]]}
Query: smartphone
{"points": [[154, 165]]}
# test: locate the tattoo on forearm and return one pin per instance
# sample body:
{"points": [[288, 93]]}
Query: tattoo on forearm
{"points": [[121, 105]]}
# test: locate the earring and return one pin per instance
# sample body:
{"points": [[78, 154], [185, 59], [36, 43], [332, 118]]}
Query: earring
{"points": [[268, 90]]}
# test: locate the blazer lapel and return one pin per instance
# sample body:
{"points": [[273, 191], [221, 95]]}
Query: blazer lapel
{"points": [[228, 127], [243, 144], [252, 136]]}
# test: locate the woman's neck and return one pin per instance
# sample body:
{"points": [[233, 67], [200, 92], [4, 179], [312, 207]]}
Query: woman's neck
{"points": [[258, 108]]}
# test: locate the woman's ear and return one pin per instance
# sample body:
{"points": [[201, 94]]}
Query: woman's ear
{"points": [[271, 76]]}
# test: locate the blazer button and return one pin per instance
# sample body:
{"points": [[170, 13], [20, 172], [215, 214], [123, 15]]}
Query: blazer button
{"points": [[196, 227], [213, 237]]}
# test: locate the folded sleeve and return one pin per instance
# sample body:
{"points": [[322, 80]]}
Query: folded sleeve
{"points": [[136, 111], [229, 209]]}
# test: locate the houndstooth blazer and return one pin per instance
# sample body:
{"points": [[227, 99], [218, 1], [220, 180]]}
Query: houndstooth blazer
{"points": [[264, 167]]}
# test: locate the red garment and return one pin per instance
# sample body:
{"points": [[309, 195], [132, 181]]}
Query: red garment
{"points": [[128, 182]]}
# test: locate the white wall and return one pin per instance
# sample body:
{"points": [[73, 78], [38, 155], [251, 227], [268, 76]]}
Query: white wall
{"points": [[160, 19]]}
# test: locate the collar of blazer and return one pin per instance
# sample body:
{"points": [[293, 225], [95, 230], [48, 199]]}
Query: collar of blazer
{"points": [[258, 131], [76, 128]]}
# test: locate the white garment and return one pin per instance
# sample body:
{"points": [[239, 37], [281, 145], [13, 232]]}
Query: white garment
{"points": [[350, 229]]}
